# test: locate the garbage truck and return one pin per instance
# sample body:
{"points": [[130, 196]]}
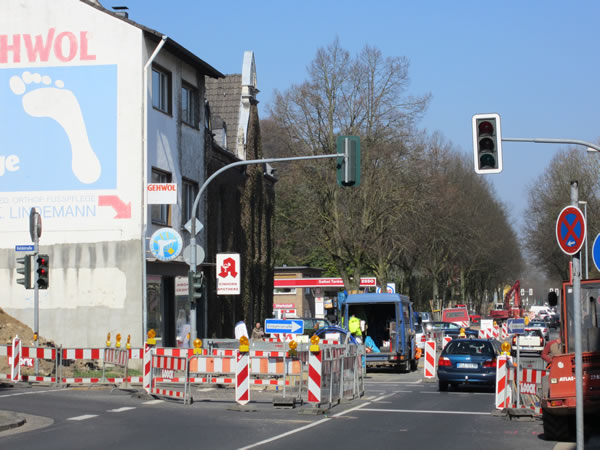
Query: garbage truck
{"points": [[386, 328]]}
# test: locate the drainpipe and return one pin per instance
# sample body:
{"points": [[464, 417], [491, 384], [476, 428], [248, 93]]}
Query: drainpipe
{"points": [[144, 183]]}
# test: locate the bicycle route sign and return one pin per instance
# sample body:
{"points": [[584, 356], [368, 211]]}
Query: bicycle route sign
{"points": [[570, 230]]}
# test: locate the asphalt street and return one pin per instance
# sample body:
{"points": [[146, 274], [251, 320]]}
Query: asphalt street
{"points": [[397, 411]]}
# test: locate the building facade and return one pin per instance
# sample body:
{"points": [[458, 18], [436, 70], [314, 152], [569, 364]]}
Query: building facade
{"points": [[95, 107]]}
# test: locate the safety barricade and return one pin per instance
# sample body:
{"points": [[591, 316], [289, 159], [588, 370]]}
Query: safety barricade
{"points": [[430, 359], [529, 389], [118, 358], [22, 360], [503, 397], [168, 371], [335, 374]]}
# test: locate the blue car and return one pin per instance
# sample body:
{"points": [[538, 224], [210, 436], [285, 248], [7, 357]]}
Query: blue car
{"points": [[468, 361]]}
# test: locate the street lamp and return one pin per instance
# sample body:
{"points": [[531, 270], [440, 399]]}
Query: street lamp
{"points": [[584, 203]]}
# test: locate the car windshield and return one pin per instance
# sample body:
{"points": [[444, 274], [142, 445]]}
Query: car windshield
{"points": [[537, 323], [533, 333], [469, 348]]}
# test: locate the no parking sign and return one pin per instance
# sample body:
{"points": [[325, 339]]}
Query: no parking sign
{"points": [[570, 230]]}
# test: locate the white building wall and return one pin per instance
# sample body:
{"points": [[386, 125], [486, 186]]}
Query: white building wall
{"points": [[71, 121]]}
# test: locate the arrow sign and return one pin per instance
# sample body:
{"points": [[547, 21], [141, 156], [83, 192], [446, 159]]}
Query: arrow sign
{"points": [[273, 326], [516, 326], [570, 230], [123, 210]]}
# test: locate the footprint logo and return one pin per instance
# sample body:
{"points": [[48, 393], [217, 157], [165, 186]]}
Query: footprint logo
{"points": [[41, 99]]}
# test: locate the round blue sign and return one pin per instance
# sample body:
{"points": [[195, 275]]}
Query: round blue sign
{"points": [[596, 252], [166, 244]]}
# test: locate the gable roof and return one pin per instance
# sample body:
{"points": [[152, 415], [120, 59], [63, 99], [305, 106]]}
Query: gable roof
{"points": [[223, 96], [175, 48]]}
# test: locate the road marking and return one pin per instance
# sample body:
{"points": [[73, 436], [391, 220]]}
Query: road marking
{"points": [[378, 399], [153, 402], [306, 427], [205, 389], [422, 411], [394, 382], [84, 417], [459, 393], [124, 408], [26, 393]]}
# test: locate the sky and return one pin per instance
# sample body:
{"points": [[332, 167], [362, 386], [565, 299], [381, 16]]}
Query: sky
{"points": [[536, 63]]}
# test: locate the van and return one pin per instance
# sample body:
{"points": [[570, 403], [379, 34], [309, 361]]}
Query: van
{"points": [[459, 316]]}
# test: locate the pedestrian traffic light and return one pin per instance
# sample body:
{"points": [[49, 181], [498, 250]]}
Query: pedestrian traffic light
{"points": [[24, 266], [43, 271], [487, 143], [348, 166]]}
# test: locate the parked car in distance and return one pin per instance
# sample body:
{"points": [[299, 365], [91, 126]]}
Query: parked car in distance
{"points": [[540, 325], [311, 324], [532, 341], [425, 316], [449, 329], [468, 361]]}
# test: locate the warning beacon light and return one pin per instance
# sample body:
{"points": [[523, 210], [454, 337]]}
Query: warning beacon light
{"points": [[487, 143]]}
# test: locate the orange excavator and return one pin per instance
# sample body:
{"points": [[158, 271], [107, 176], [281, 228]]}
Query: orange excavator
{"points": [[511, 309]]}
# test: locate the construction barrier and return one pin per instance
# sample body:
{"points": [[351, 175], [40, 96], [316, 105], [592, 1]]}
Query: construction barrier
{"points": [[503, 387], [295, 376], [430, 359]]}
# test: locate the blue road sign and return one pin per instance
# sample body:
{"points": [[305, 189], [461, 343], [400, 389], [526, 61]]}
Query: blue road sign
{"points": [[516, 326], [24, 248], [293, 326], [596, 252]]}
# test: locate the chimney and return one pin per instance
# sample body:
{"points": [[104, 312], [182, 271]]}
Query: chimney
{"points": [[121, 11]]}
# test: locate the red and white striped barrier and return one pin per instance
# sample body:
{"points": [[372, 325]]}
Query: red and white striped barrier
{"points": [[15, 360], [147, 377], [496, 332], [503, 390], [504, 334], [447, 339], [429, 371], [242, 378], [169, 365], [314, 377]]}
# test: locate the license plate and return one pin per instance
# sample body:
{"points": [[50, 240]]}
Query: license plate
{"points": [[466, 366]]}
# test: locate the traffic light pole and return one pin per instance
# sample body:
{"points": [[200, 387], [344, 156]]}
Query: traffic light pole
{"points": [[193, 262], [36, 299]]}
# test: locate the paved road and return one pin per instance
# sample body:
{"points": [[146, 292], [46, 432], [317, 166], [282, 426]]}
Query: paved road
{"points": [[398, 411]]}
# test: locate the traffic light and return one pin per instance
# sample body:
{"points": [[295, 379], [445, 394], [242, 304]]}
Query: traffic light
{"points": [[487, 143], [196, 281], [348, 166], [43, 271], [24, 266]]}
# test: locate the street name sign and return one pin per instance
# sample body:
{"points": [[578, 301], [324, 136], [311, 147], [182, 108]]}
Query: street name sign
{"points": [[293, 326], [24, 248]]}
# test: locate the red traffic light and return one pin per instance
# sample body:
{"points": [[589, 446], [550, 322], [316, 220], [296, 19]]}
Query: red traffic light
{"points": [[486, 128]]}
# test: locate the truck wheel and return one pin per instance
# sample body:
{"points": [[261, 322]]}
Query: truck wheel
{"points": [[414, 363], [556, 428], [443, 385]]}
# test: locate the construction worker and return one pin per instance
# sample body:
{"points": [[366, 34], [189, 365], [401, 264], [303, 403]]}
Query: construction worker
{"points": [[552, 348], [354, 326]]}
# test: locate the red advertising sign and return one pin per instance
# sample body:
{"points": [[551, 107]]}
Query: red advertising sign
{"points": [[320, 282]]}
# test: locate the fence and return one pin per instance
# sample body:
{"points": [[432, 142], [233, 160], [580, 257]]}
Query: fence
{"points": [[172, 372]]}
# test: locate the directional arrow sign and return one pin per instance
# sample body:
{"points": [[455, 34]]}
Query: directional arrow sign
{"points": [[273, 326], [516, 326]]}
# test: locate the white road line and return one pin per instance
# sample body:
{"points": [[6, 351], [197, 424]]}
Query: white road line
{"points": [[394, 382], [421, 411], [153, 402], [378, 399], [314, 424], [84, 417], [27, 393], [124, 408], [205, 389], [459, 393]]}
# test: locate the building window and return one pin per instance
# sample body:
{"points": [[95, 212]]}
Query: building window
{"points": [[189, 105], [161, 89], [160, 213], [190, 190]]}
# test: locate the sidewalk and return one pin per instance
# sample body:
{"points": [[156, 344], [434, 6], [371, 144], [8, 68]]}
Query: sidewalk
{"points": [[9, 419]]}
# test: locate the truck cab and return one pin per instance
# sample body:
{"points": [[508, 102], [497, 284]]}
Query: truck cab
{"points": [[389, 325]]}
